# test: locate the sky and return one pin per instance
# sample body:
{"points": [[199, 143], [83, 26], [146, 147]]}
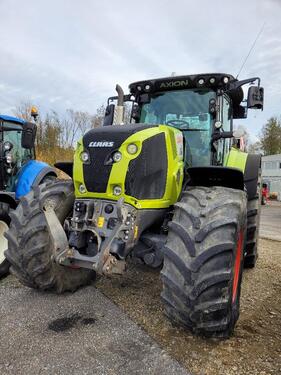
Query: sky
{"points": [[62, 54]]}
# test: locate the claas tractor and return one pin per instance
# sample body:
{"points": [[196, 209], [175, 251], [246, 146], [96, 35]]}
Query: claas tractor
{"points": [[171, 187], [18, 171]]}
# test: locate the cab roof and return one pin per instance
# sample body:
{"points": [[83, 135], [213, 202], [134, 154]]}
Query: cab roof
{"points": [[12, 119], [202, 80], [213, 81]]}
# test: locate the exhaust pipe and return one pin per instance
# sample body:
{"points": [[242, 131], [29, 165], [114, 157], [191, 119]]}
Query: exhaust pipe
{"points": [[119, 109]]}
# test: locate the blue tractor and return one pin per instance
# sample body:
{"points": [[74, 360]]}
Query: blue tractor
{"points": [[19, 171]]}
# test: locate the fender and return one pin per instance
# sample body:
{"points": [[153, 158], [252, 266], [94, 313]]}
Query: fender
{"points": [[252, 174], [250, 165], [8, 198], [66, 167], [216, 176], [32, 174]]}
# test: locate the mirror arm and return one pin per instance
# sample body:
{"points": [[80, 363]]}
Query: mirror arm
{"points": [[217, 136], [236, 84], [127, 98]]}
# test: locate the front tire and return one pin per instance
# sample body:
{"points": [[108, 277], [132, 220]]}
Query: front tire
{"points": [[203, 260], [30, 250]]}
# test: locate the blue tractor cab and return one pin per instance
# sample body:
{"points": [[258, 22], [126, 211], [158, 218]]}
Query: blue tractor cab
{"points": [[19, 171]]}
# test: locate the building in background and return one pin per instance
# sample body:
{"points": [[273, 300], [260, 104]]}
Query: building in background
{"points": [[271, 173]]}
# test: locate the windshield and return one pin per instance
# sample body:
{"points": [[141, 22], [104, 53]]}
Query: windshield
{"points": [[12, 132], [187, 110]]}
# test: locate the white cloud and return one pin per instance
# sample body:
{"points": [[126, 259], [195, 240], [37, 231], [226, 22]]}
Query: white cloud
{"points": [[68, 53]]}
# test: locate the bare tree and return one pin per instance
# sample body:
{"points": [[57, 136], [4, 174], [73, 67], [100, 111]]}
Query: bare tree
{"points": [[97, 118], [246, 135], [23, 110], [57, 133], [73, 126]]}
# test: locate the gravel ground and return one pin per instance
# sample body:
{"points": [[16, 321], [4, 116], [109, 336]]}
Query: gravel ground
{"points": [[255, 348]]}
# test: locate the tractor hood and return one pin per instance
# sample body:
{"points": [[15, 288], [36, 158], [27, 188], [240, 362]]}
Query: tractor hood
{"points": [[141, 163]]}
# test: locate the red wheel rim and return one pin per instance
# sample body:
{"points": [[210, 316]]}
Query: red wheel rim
{"points": [[237, 265]]}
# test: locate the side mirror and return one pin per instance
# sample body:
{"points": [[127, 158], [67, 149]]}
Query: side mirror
{"points": [[109, 115], [28, 135], [255, 97]]}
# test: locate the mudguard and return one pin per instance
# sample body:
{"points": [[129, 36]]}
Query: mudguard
{"points": [[251, 174], [66, 167], [240, 171], [32, 174], [216, 176], [250, 165]]}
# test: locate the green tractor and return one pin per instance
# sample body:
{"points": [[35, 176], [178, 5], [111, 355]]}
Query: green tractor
{"points": [[171, 188]]}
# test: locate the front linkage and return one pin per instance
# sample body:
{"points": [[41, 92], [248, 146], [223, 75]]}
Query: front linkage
{"points": [[106, 230]]}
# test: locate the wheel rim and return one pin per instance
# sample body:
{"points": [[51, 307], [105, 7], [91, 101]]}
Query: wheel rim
{"points": [[3, 241], [237, 265]]}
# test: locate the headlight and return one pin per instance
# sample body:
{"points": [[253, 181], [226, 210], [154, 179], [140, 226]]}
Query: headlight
{"points": [[117, 156], [117, 190], [132, 149], [9, 158], [84, 156], [82, 189]]}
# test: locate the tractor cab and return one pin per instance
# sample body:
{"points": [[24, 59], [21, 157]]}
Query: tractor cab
{"points": [[202, 106], [16, 148]]}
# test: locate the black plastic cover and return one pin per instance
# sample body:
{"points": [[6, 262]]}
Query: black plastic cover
{"points": [[100, 144], [216, 176], [147, 174]]}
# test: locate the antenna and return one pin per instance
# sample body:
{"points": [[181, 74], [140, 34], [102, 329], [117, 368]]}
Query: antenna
{"points": [[251, 49]]}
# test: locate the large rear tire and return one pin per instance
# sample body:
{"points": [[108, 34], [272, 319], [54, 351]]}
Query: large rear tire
{"points": [[253, 224], [203, 260], [29, 245]]}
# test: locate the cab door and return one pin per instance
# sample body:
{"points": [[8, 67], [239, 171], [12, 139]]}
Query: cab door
{"points": [[225, 117]]}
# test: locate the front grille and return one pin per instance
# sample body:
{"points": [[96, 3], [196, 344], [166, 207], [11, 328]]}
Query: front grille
{"points": [[97, 172], [147, 174]]}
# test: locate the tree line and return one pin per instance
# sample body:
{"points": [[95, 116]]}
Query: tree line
{"points": [[269, 139], [57, 134]]}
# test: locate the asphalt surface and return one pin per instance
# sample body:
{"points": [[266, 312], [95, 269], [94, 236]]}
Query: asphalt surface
{"points": [[270, 227], [80, 333]]}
